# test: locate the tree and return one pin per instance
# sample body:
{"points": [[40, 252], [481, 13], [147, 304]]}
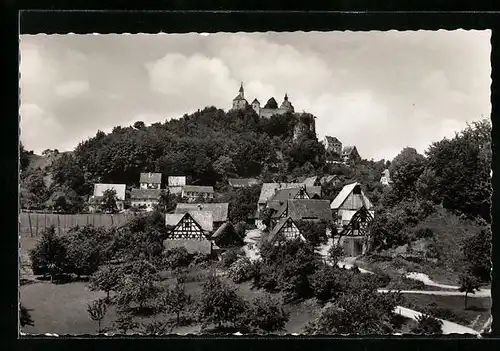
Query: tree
{"points": [[155, 328], [405, 170], [167, 202], [266, 216], [220, 303], [97, 311], [86, 249], [266, 314], [335, 254], [468, 285], [364, 313], [107, 279], [177, 257], [242, 203], [24, 157], [314, 232], [477, 254], [36, 189], [49, 254], [108, 202], [328, 282], [125, 321], [176, 300], [224, 167], [25, 317], [427, 324], [138, 289]]}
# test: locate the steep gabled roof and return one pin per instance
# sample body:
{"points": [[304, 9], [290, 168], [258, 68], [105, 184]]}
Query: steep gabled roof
{"points": [[278, 206], [345, 192], [348, 149], [268, 190], [203, 218], [219, 210], [309, 181], [150, 178], [145, 194], [309, 209], [100, 188], [291, 193], [273, 235], [255, 101], [198, 189], [327, 179], [332, 140]]}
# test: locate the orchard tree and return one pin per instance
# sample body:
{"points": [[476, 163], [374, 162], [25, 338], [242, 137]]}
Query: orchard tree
{"points": [[477, 254], [469, 285], [125, 321], [49, 254], [97, 311], [328, 282], [220, 303], [266, 314], [137, 289], [176, 300], [335, 254], [107, 279]]}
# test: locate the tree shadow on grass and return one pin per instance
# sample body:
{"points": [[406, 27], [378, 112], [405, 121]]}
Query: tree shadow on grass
{"points": [[477, 309], [62, 279]]}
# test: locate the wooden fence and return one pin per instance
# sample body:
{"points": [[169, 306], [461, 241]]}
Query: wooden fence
{"points": [[34, 223]]}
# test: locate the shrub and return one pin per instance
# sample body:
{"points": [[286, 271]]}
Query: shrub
{"points": [[49, 255], [427, 325], [228, 258], [266, 314], [328, 282], [404, 283], [177, 257], [242, 270], [424, 233]]}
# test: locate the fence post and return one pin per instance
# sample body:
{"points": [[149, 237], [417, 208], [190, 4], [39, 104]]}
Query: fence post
{"points": [[87, 219], [112, 221], [29, 221], [93, 220], [36, 224], [45, 216], [58, 224]]}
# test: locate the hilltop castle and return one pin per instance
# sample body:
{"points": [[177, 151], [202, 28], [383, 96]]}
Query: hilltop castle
{"points": [[269, 109]]}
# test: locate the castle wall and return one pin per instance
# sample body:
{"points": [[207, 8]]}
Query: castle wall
{"points": [[268, 112]]}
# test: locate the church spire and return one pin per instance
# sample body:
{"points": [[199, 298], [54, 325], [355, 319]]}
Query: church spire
{"points": [[241, 89], [286, 96]]}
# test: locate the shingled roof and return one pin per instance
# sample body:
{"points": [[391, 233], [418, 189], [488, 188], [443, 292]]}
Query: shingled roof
{"points": [[150, 178], [268, 189], [145, 194], [219, 210], [286, 194], [203, 218], [198, 189], [281, 223], [309, 209], [345, 192]]}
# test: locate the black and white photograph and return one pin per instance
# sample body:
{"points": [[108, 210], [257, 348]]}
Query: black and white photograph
{"points": [[260, 183]]}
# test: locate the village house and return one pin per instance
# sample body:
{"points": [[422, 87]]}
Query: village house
{"points": [[302, 192], [309, 181], [145, 199], [386, 177], [225, 236], [354, 212], [219, 211], [242, 182], [175, 184], [333, 145], [329, 179], [194, 192], [284, 230], [301, 210], [150, 181], [269, 189], [350, 154], [190, 230], [99, 189]]}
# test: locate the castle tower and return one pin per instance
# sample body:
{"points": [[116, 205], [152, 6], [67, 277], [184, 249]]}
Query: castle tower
{"points": [[256, 106], [239, 102], [287, 104]]}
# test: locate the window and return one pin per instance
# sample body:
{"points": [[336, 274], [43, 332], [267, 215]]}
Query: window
{"points": [[185, 225]]}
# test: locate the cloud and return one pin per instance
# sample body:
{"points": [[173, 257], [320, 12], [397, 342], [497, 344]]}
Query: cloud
{"points": [[381, 91], [72, 89], [37, 128]]}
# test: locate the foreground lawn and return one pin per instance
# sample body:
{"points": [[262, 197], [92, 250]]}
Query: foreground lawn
{"points": [[477, 313]]}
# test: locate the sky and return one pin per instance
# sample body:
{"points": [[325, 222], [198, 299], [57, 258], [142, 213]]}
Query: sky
{"points": [[380, 91]]}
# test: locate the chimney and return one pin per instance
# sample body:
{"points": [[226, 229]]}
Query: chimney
{"points": [[199, 207]]}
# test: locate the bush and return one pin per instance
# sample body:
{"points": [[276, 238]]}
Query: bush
{"points": [[424, 233], [228, 258], [50, 254], [177, 257], [427, 325], [328, 282], [266, 314], [404, 283], [242, 270]]}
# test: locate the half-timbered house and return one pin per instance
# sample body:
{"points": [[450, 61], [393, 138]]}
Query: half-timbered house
{"points": [[150, 181], [219, 211], [285, 230], [354, 212], [301, 210], [191, 230]]}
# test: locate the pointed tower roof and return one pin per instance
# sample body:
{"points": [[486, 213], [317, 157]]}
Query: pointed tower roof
{"points": [[241, 88], [286, 96], [255, 101]]}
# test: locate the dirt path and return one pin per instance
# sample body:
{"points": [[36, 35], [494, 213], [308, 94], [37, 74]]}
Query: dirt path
{"points": [[480, 293]]}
